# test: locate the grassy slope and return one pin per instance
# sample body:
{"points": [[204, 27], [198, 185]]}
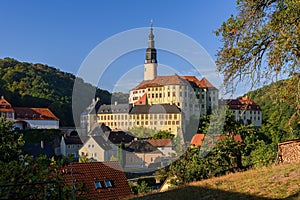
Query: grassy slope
{"points": [[275, 182]]}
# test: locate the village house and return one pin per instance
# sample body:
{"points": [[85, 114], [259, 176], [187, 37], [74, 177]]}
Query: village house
{"points": [[70, 145], [102, 143], [141, 154], [163, 145], [97, 148], [28, 118], [244, 111], [6, 110], [97, 180]]}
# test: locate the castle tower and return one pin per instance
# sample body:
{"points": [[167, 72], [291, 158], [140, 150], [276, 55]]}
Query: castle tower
{"points": [[150, 66]]}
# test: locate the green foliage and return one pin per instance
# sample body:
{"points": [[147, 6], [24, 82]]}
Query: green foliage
{"points": [[264, 154], [261, 44], [177, 144], [163, 134], [141, 132], [29, 178], [11, 142], [121, 154], [225, 157], [279, 102], [36, 135], [161, 175], [149, 181], [139, 188], [261, 32], [36, 85], [25, 177], [84, 159], [133, 187], [143, 188], [119, 97]]}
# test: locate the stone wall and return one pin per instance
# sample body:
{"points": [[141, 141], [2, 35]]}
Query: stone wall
{"points": [[289, 152]]}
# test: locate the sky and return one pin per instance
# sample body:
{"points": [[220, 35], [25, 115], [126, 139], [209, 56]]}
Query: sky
{"points": [[63, 34]]}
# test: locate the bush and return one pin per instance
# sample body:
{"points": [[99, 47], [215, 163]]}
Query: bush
{"points": [[264, 154]]}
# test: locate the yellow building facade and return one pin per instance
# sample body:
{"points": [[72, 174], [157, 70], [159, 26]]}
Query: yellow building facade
{"points": [[157, 117]]}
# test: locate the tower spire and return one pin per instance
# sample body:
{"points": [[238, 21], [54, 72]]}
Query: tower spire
{"points": [[150, 66], [151, 36]]}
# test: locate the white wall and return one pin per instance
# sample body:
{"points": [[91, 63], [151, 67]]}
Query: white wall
{"points": [[43, 124]]}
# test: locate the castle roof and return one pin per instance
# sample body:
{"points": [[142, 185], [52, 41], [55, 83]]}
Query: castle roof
{"points": [[161, 81], [155, 109], [175, 80], [118, 108]]}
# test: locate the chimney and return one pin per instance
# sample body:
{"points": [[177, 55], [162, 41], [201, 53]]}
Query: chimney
{"points": [[42, 144]]}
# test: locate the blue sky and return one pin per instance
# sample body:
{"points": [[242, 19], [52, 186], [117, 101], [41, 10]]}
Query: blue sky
{"points": [[63, 33]]}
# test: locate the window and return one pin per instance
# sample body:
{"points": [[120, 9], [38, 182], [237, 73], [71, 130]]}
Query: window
{"points": [[98, 185], [108, 183], [95, 154]]}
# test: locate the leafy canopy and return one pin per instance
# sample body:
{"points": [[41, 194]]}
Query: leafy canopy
{"points": [[261, 42]]}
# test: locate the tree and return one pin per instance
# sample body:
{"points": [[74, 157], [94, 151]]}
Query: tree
{"points": [[162, 134], [260, 42], [141, 132], [121, 154], [11, 142], [25, 177]]}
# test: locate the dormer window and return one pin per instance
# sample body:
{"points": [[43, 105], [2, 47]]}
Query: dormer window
{"points": [[108, 183], [98, 185]]}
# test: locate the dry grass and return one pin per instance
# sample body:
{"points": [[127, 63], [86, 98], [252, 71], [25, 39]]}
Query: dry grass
{"points": [[275, 182]]}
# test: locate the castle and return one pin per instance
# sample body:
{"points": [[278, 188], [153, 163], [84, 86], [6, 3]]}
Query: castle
{"points": [[158, 102]]}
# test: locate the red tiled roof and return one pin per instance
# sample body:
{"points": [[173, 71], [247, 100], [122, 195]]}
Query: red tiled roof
{"points": [[142, 100], [197, 139], [194, 80], [236, 138], [243, 103], [34, 114], [160, 142], [88, 173], [5, 106], [161, 81], [206, 83]]}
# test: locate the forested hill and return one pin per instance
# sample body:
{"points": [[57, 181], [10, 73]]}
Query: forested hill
{"points": [[279, 102], [38, 85]]}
